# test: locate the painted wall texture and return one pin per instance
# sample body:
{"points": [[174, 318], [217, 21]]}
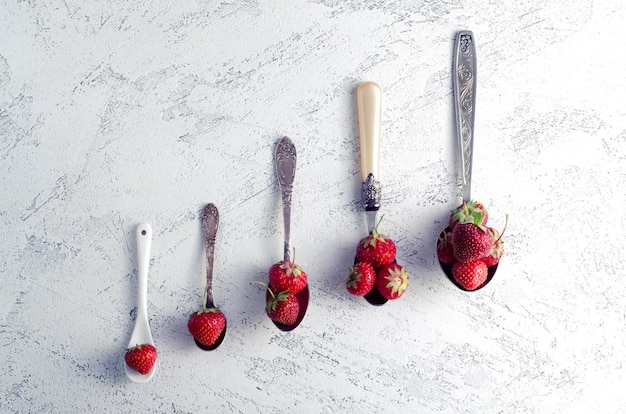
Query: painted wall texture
{"points": [[117, 113]]}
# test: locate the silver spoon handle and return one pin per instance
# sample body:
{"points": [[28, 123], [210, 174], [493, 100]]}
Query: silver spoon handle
{"points": [[210, 223], [465, 103], [286, 171]]}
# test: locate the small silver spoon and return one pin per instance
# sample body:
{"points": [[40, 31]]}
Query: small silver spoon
{"points": [[285, 158], [210, 223], [141, 333]]}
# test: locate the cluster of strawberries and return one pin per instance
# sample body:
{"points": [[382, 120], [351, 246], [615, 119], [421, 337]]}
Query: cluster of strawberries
{"points": [[468, 246], [376, 268], [286, 280]]}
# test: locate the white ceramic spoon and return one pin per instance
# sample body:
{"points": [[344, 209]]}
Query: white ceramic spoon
{"points": [[141, 333]]}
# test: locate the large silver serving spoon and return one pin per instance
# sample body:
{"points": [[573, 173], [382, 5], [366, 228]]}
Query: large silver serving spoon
{"points": [[464, 81], [141, 333], [285, 158]]}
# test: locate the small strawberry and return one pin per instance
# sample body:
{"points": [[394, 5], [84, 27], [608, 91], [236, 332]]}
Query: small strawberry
{"points": [[493, 257], [470, 275], [470, 242], [206, 325], [445, 253], [392, 280], [376, 249], [287, 276], [141, 358], [469, 212], [281, 307], [362, 279]]}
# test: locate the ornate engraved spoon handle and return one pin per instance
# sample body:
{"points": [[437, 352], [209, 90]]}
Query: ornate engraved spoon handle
{"points": [[465, 103], [286, 171], [210, 222]]}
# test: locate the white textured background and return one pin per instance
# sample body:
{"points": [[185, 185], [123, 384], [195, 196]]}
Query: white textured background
{"points": [[115, 113]]}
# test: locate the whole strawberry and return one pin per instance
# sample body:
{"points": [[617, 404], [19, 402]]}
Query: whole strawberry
{"points": [[287, 276], [141, 358], [206, 325], [494, 255], [282, 307], [469, 212], [470, 242], [392, 280], [445, 253], [376, 249], [362, 279], [497, 248], [470, 275]]}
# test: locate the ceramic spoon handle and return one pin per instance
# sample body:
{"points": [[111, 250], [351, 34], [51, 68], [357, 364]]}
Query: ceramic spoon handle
{"points": [[464, 103], [144, 242]]}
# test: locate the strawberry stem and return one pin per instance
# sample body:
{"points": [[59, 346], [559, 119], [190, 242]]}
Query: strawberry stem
{"points": [[506, 223], [265, 286]]}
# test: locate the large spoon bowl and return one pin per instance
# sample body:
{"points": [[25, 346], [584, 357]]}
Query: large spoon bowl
{"points": [[141, 332], [447, 269]]}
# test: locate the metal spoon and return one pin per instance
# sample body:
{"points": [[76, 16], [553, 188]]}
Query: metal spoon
{"points": [[141, 333], [369, 106], [210, 223], [464, 79], [285, 158]]}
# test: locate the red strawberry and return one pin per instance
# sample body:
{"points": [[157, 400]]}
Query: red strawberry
{"points": [[287, 276], [281, 307], [469, 212], [392, 280], [362, 279], [141, 358], [470, 275], [494, 255], [376, 249], [445, 253], [206, 325], [470, 242]]}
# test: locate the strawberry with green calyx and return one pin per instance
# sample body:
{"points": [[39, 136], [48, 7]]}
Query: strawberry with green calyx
{"points": [[282, 307], [470, 275], [287, 276], [445, 253], [206, 325], [494, 255], [470, 242], [141, 358], [392, 280], [376, 249], [362, 279], [469, 212]]}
